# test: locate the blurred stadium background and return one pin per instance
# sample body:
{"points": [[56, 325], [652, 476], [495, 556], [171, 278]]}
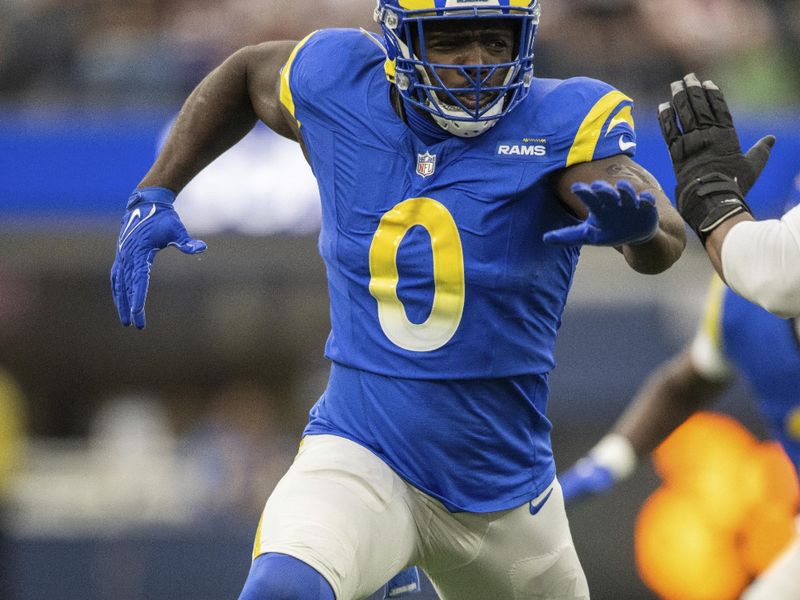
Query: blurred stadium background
{"points": [[134, 465]]}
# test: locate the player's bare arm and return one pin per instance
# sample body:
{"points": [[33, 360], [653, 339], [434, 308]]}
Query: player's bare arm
{"points": [[717, 237], [666, 246], [221, 110], [672, 394]]}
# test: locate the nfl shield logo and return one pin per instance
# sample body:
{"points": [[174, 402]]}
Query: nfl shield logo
{"points": [[426, 164]]}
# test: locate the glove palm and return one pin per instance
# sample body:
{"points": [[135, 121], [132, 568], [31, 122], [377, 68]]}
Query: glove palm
{"points": [[713, 175]]}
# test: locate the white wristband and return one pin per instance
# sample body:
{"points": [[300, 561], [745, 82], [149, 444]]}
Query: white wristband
{"points": [[615, 453]]}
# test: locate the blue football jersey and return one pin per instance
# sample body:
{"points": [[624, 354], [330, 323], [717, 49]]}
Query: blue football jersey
{"points": [[765, 349], [445, 302]]}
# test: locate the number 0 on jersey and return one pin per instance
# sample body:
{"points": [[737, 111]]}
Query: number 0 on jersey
{"points": [[448, 274]]}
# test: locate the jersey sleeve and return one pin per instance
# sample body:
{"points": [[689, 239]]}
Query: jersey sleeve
{"points": [[596, 121], [321, 72], [294, 92], [706, 351]]}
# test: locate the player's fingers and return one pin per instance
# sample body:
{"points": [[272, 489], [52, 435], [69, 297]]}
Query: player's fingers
{"points": [[696, 96], [759, 154], [647, 198], [588, 196], [141, 281], [188, 245], [627, 193], [127, 281], [682, 108], [669, 125], [139, 320], [718, 105], [607, 193], [567, 236], [118, 292]]}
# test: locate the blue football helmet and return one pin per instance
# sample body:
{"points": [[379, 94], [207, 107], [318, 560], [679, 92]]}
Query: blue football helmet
{"points": [[418, 79]]}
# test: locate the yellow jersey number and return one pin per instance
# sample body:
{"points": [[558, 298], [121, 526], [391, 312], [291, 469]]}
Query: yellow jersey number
{"points": [[448, 274]]}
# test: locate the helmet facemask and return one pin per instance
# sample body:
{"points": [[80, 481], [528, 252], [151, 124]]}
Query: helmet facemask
{"points": [[476, 104]]}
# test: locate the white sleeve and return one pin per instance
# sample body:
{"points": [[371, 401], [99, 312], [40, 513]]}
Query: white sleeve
{"points": [[761, 262]]}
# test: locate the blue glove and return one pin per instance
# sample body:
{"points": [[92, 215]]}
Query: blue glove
{"points": [[406, 582], [616, 216], [149, 225], [585, 478]]}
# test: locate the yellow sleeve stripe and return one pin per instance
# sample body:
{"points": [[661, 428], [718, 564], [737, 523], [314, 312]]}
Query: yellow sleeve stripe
{"points": [[588, 135], [712, 316], [286, 90], [623, 116]]}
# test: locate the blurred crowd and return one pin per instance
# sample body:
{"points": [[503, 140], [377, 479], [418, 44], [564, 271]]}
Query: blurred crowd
{"points": [[152, 52], [146, 460]]}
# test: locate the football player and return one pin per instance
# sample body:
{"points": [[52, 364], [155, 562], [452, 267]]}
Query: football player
{"points": [[454, 205], [713, 178], [732, 338], [760, 261]]}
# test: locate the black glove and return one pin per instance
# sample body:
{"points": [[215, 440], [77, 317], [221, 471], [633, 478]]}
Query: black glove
{"points": [[712, 173]]}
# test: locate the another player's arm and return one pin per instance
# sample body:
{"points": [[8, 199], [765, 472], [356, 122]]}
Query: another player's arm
{"points": [[653, 256], [221, 110], [715, 239], [670, 395], [760, 260]]}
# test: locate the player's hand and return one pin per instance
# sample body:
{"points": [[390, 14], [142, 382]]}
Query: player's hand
{"points": [[149, 225], [585, 478], [617, 216], [406, 582], [713, 174]]}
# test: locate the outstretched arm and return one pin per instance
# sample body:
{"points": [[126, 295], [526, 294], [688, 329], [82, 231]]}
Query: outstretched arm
{"points": [[665, 240], [673, 393], [222, 110]]}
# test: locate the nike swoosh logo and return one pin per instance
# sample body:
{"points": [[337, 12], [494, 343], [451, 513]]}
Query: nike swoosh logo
{"points": [[623, 145], [730, 201], [536, 507], [131, 226]]}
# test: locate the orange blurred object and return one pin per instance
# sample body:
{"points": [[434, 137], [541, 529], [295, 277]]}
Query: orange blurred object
{"points": [[681, 556], [765, 533], [725, 511], [774, 476], [703, 438], [704, 458]]}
